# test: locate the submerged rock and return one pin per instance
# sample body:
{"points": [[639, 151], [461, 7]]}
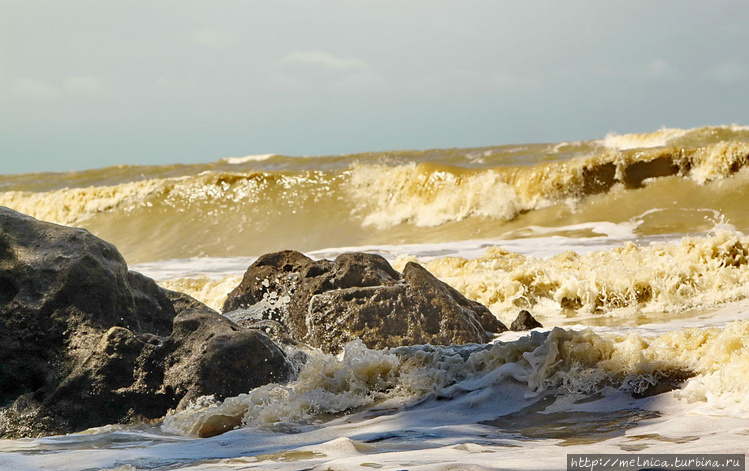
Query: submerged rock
{"points": [[85, 342], [326, 303], [524, 321]]}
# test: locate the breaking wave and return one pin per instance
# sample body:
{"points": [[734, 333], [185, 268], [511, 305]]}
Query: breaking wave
{"points": [[431, 195], [314, 203], [631, 280], [560, 361]]}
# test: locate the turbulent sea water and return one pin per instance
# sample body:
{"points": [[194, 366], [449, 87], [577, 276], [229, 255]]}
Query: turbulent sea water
{"points": [[631, 250]]}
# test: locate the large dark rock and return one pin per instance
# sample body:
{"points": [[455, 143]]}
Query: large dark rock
{"points": [[84, 342], [136, 377], [61, 288], [326, 304], [210, 355]]}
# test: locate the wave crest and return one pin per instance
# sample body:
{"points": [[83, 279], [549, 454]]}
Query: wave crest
{"points": [[628, 281], [428, 195]]}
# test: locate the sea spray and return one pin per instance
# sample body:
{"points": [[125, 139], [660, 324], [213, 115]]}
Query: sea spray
{"points": [[557, 362], [693, 272], [210, 291], [629, 283], [676, 137]]}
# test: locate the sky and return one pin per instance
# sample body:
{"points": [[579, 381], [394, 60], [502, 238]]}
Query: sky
{"points": [[93, 83]]}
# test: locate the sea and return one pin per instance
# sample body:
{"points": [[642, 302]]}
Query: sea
{"points": [[630, 249]]}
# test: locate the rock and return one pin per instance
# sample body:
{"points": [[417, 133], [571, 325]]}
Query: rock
{"points": [[84, 342], [524, 321], [130, 377], [117, 383], [266, 288], [279, 286], [326, 304], [61, 288], [210, 355], [181, 301], [440, 295]]}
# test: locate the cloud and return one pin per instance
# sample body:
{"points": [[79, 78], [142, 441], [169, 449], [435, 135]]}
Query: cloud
{"points": [[37, 90], [173, 84], [322, 59], [507, 81], [211, 38], [72, 87], [659, 68], [86, 86], [655, 69], [313, 69], [728, 72]]}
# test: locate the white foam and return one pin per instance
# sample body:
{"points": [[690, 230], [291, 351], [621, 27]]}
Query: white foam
{"points": [[210, 279], [433, 435], [646, 140], [209, 267], [247, 158], [539, 247]]}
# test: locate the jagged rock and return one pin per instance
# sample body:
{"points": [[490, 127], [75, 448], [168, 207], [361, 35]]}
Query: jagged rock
{"points": [[139, 377], [280, 285], [327, 303], [84, 342], [181, 301], [61, 288], [116, 383], [524, 321], [210, 355]]}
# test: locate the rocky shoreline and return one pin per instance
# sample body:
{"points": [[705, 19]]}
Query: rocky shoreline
{"points": [[86, 342]]}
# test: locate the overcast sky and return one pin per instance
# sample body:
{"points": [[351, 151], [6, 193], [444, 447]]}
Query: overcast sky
{"points": [[94, 83]]}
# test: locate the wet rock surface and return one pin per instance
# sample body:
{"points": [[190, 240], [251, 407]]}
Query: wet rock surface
{"points": [[524, 321], [207, 354], [326, 303], [85, 342]]}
